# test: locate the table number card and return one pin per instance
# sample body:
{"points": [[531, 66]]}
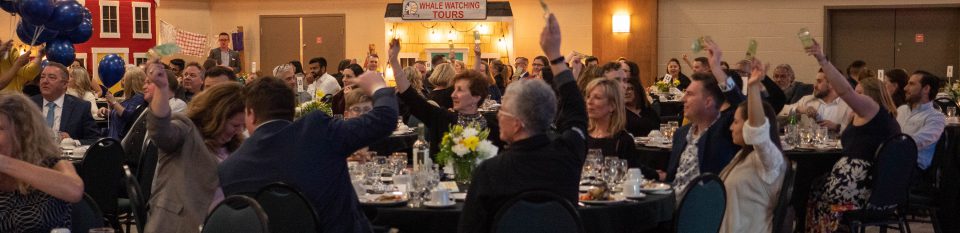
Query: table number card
{"points": [[880, 75], [949, 71]]}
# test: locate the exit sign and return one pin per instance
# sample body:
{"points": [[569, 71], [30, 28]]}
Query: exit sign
{"points": [[919, 38]]}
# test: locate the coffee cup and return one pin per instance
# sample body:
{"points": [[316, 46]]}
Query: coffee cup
{"points": [[631, 188], [440, 196], [68, 143], [634, 175]]}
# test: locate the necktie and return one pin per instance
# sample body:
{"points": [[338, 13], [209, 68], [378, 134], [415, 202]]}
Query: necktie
{"points": [[51, 110]]}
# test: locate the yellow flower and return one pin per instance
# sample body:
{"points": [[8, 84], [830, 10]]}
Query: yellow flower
{"points": [[320, 94], [446, 138], [471, 143]]}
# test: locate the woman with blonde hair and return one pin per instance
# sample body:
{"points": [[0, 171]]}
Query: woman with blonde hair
{"points": [[847, 186], [36, 187], [81, 87], [191, 147], [413, 76], [607, 114], [122, 114], [459, 66], [442, 78]]}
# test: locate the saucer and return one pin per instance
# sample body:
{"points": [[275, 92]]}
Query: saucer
{"points": [[433, 204], [639, 195]]}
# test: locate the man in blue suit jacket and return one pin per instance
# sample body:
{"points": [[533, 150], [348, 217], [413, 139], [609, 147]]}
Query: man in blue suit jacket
{"points": [[706, 144], [69, 114], [309, 153]]}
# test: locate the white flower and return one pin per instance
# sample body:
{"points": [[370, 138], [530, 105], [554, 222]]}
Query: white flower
{"points": [[460, 150], [469, 132], [487, 149]]}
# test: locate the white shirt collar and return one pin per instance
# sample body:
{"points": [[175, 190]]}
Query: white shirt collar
{"points": [[58, 101]]}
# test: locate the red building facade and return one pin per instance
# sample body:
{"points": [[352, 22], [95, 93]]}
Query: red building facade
{"points": [[123, 27]]}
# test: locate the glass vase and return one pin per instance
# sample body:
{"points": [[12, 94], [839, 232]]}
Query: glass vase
{"points": [[463, 171]]}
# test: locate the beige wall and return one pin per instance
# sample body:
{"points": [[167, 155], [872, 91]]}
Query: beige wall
{"points": [[732, 23], [364, 22], [189, 15]]}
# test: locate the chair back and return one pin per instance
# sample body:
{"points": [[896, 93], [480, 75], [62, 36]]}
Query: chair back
{"points": [[100, 171], [288, 209], [702, 206], [148, 166], [896, 162], [942, 103], [85, 215], [138, 205], [133, 142], [236, 213], [780, 220], [537, 211]]}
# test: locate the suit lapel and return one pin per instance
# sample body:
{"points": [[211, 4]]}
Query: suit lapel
{"points": [[66, 113]]}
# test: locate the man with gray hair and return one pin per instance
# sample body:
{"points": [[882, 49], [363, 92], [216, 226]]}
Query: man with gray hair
{"points": [[287, 73], [532, 161]]}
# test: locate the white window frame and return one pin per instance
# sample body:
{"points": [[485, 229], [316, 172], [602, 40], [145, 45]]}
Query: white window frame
{"points": [[81, 56], [138, 56], [103, 4], [122, 52], [133, 17]]}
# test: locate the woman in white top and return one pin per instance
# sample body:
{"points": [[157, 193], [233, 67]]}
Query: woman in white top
{"points": [[81, 87], [753, 178]]}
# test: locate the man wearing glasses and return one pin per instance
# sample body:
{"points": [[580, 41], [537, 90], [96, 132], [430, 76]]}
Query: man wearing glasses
{"points": [[224, 55]]}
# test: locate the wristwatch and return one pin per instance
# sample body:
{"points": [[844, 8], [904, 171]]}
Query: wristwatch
{"points": [[557, 61]]}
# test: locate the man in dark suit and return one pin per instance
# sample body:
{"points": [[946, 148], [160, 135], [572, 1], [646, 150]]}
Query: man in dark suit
{"points": [[69, 114], [706, 144], [533, 161], [309, 153], [224, 55]]}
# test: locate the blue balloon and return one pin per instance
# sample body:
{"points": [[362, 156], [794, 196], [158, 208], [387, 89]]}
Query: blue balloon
{"points": [[67, 15], [26, 31], [60, 50], [11, 6], [111, 70], [82, 33], [36, 12], [43, 64]]}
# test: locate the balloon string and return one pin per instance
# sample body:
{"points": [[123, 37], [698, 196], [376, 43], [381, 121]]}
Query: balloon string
{"points": [[36, 35]]}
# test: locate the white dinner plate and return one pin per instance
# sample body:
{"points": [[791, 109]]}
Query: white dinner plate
{"points": [[639, 195], [614, 199], [657, 187], [459, 196], [371, 200]]}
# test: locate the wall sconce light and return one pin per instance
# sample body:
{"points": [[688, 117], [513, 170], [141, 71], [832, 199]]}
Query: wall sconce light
{"points": [[483, 29], [621, 23], [434, 36], [451, 35]]}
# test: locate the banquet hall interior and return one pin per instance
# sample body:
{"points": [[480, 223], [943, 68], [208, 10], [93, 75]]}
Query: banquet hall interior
{"points": [[479, 116]]}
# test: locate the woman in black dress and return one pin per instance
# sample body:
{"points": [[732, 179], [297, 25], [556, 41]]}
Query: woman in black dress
{"points": [[641, 119], [607, 116]]}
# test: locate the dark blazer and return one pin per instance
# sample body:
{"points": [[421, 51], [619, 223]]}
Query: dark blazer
{"points": [[234, 59], [537, 163], [715, 147], [774, 96], [75, 118], [311, 154], [438, 119], [799, 90]]}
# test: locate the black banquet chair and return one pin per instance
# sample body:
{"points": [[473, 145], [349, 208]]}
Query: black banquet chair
{"points": [[85, 215], [236, 213], [893, 171], [782, 220], [288, 209], [537, 211], [703, 206], [943, 103], [100, 171], [138, 205]]}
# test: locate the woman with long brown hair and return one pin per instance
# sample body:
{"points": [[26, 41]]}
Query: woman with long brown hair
{"points": [[36, 187], [191, 146]]}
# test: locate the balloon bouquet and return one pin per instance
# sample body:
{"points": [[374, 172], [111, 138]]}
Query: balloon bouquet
{"points": [[60, 24]]}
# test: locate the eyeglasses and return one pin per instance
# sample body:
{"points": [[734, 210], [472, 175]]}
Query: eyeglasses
{"points": [[360, 110]]}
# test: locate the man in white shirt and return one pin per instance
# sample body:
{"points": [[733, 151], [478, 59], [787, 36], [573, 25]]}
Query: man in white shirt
{"points": [[825, 106], [322, 82], [918, 118]]}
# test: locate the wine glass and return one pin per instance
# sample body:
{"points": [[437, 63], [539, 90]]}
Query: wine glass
{"points": [[611, 170], [821, 135], [398, 161]]}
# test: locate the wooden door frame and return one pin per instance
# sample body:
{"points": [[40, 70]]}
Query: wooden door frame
{"points": [[827, 10], [300, 38]]}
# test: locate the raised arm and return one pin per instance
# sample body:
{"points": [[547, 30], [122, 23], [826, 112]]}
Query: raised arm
{"points": [[61, 181], [9, 74], [376, 124], [716, 57], [476, 57], [169, 136], [573, 113], [862, 105], [757, 130], [755, 116], [160, 104], [402, 83], [687, 61]]}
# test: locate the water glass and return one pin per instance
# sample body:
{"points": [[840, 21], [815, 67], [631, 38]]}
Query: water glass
{"points": [[821, 134], [806, 135], [792, 135], [398, 160], [592, 164], [611, 170]]}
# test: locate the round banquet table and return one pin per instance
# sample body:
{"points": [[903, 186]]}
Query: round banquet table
{"points": [[631, 216], [949, 198]]}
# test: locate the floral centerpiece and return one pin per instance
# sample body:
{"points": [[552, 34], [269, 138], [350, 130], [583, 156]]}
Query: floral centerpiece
{"points": [[664, 87], [465, 147], [314, 105]]}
